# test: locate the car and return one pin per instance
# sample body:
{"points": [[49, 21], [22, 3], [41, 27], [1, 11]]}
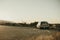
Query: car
{"points": [[44, 25]]}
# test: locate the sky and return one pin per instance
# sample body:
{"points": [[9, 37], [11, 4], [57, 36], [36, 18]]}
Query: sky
{"points": [[30, 10]]}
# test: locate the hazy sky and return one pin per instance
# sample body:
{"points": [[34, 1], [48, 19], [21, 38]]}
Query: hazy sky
{"points": [[30, 10]]}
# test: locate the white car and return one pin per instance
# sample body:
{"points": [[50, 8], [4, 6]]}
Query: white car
{"points": [[38, 25]]}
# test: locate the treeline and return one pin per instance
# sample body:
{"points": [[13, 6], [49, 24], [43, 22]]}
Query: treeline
{"points": [[20, 24], [33, 24]]}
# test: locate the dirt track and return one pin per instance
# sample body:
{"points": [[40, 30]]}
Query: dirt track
{"points": [[26, 33]]}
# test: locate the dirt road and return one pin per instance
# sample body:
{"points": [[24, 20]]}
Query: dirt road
{"points": [[25, 33]]}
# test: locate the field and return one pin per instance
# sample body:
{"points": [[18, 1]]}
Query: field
{"points": [[27, 33]]}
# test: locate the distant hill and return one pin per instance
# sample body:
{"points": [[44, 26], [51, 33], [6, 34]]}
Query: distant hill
{"points": [[4, 21]]}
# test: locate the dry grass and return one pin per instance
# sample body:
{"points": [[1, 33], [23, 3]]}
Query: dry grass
{"points": [[26, 33], [56, 36]]}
